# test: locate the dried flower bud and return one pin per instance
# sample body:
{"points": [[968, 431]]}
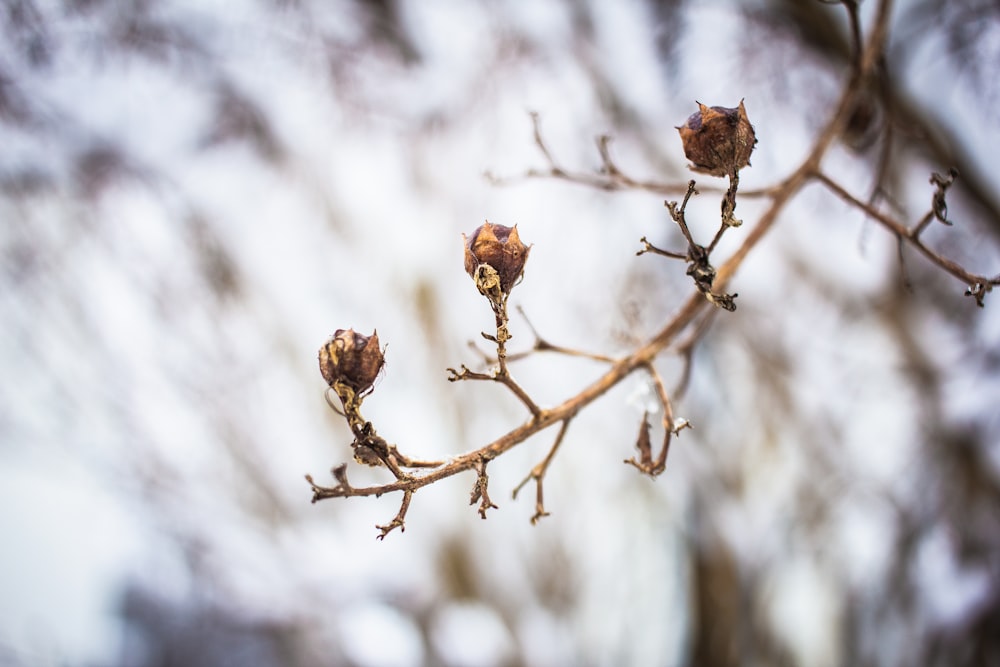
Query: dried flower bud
{"points": [[717, 140], [499, 247], [351, 359]]}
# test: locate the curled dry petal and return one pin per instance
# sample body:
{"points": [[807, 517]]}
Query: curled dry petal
{"points": [[499, 247], [352, 359], [718, 140]]}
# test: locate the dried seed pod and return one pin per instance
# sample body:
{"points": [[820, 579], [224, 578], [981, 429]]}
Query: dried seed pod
{"points": [[499, 247], [351, 359], [717, 140]]}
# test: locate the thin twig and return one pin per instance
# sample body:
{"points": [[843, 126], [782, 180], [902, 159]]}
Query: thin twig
{"points": [[686, 351], [538, 474], [542, 345], [480, 491], [503, 377], [699, 267], [977, 284], [502, 373], [661, 393], [611, 178], [397, 521], [646, 463]]}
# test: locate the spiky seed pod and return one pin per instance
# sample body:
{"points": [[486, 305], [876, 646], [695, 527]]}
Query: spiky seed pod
{"points": [[499, 247], [718, 140], [351, 359]]}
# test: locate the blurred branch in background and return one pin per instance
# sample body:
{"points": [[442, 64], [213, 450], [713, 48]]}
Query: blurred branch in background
{"points": [[193, 197]]}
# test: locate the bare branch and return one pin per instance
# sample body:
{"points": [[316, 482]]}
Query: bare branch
{"points": [[691, 317], [697, 256], [542, 345], [978, 285], [538, 474], [498, 301], [611, 178]]}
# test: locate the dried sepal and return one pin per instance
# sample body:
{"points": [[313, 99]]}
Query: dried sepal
{"points": [[351, 359], [718, 140], [646, 463], [978, 291], [495, 257]]}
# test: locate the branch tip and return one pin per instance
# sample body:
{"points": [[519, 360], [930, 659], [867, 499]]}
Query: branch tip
{"points": [[398, 520]]}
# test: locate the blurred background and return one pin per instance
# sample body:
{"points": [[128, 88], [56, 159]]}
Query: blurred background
{"points": [[194, 195]]}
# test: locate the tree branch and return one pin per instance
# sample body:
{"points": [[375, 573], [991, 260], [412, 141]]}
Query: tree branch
{"points": [[411, 475]]}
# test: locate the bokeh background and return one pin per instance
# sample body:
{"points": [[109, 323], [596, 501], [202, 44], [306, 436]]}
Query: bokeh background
{"points": [[194, 195]]}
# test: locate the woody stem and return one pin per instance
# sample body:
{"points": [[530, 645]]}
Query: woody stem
{"points": [[503, 374]]}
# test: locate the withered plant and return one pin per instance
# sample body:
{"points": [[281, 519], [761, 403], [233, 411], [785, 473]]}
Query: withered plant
{"points": [[718, 141]]}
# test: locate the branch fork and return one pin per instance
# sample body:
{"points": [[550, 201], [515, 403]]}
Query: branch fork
{"points": [[697, 256]]}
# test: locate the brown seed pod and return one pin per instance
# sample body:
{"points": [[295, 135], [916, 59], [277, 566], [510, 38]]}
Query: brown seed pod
{"points": [[499, 247], [718, 140], [352, 359]]}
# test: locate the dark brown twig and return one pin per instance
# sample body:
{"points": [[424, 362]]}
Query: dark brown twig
{"points": [[397, 521], [697, 256], [480, 491]]}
